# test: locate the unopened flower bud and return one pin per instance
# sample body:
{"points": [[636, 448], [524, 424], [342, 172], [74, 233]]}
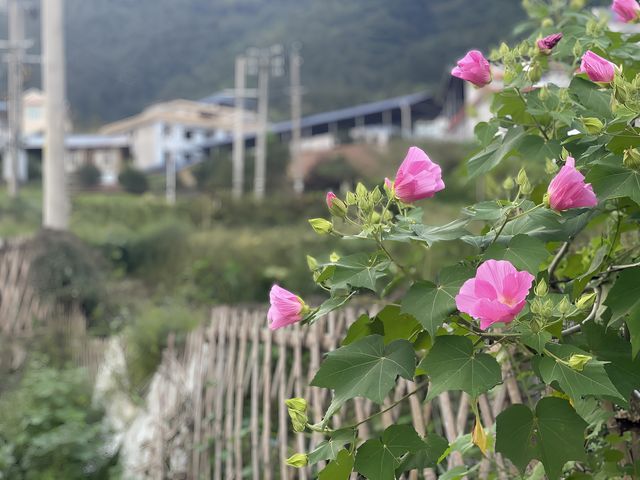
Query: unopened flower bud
{"points": [[351, 198], [334, 257], [526, 189], [547, 22], [361, 191], [576, 4], [541, 288], [522, 178], [312, 263], [336, 206], [578, 361], [297, 408], [321, 226], [297, 460], [535, 73], [564, 307], [545, 45], [632, 159], [550, 167], [508, 184], [593, 125]]}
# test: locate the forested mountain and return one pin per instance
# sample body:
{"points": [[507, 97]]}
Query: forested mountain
{"points": [[125, 54]]}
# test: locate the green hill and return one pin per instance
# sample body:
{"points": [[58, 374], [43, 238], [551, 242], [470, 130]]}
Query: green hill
{"points": [[125, 54]]}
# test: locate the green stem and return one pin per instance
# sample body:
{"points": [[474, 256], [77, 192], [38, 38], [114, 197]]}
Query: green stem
{"points": [[393, 405], [542, 130]]}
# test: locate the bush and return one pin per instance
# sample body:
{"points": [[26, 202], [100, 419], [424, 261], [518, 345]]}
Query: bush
{"points": [[50, 430], [88, 176], [133, 181], [66, 271], [147, 337]]}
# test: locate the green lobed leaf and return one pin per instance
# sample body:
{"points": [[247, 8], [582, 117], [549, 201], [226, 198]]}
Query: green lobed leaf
{"points": [[523, 251], [377, 459], [431, 303], [590, 97], [328, 450], [428, 456], [338, 469], [410, 229], [624, 301], [611, 181], [554, 435], [608, 345], [452, 364], [493, 154], [397, 325], [359, 271], [366, 368], [592, 380]]}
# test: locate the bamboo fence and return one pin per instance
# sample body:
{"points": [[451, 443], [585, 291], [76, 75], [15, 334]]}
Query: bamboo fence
{"points": [[219, 403]]}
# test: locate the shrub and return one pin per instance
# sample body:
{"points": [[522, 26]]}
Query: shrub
{"points": [[88, 176], [147, 337], [133, 181], [66, 271], [49, 428]]}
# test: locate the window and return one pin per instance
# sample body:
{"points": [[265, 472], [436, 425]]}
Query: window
{"points": [[188, 134], [167, 157], [166, 131], [33, 113]]}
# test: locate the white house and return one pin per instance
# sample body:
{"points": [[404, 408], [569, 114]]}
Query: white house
{"points": [[176, 130]]}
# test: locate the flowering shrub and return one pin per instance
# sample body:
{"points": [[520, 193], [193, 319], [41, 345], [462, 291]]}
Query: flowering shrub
{"points": [[554, 283]]}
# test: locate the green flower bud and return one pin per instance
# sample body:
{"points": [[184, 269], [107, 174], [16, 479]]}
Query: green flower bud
{"points": [[577, 49], [508, 184], [550, 166], [578, 361], [564, 307], [535, 73], [576, 4], [297, 408], [351, 198], [593, 125], [297, 460], [321, 226], [526, 188], [504, 49], [547, 22], [522, 178], [334, 257], [586, 301], [337, 207], [536, 306], [632, 159], [544, 94], [376, 195], [541, 288], [361, 191], [312, 263]]}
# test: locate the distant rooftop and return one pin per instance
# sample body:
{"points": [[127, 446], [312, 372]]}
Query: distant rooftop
{"points": [[228, 99], [77, 141]]}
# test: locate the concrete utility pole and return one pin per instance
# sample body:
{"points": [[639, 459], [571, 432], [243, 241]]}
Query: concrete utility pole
{"points": [[238, 128], [15, 59], [260, 178], [295, 63], [269, 61], [171, 178], [56, 201]]}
